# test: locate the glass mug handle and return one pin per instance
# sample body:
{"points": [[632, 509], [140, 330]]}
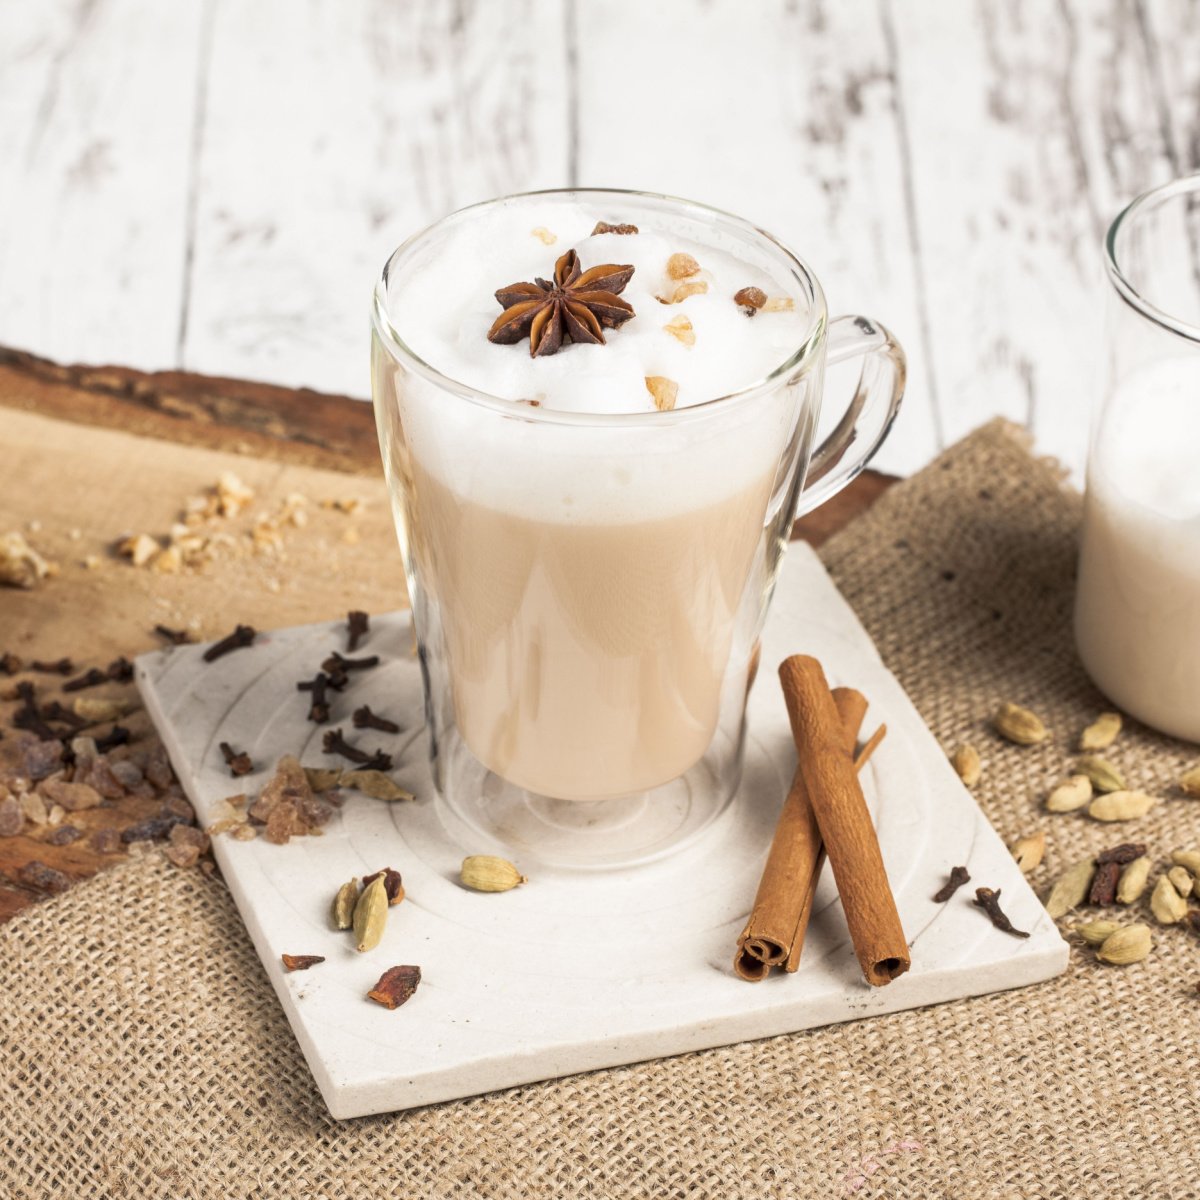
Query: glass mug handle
{"points": [[870, 413]]}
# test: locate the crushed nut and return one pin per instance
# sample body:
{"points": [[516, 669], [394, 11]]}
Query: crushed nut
{"points": [[605, 227], [544, 235], [779, 304], [663, 390], [139, 548], [20, 564]]}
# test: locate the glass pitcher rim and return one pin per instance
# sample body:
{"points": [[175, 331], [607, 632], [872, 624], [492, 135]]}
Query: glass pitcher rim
{"points": [[798, 361], [1184, 185]]}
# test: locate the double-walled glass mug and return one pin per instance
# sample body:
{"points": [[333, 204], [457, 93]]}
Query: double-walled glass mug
{"points": [[1137, 606], [588, 589]]}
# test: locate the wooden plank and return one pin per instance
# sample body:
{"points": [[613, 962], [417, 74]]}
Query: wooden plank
{"points": [[786, 114], [96, 113], [1033, 121], [332, 132]]}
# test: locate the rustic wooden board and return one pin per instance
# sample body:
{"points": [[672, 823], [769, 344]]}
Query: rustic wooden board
{"points": [[76, 471]]}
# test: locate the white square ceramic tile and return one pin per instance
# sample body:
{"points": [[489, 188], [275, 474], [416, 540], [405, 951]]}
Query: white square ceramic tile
{"points": [[576, 970]]}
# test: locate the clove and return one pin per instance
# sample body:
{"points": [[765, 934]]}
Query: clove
{"points": [[364, 718], [989, 901], [10, 664], [90, 678], [177, 637], [28, 717], [54, 711], [358, 623], [318, 710], [242, 636], [64, 666], [238, 761], [335, 743], [958, 876], [120, 670], [118, 735], [335, 664]]}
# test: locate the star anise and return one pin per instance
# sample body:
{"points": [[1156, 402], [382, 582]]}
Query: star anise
{"points": [[575, 307]]}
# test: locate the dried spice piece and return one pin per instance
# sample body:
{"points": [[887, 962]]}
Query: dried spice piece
{"points": [[93, 677], [357, 625], [12, 817], [176, 806], [1121, 806], [681, 266], [370, 915], [42, 878], [750, 299], [34, 807], [335, 664], [118, 735], [335, 743], [1070, 796], [20, 564], [966, 762], [40, 759], [989, 901], [182, 856], [1103, 775], [1167, 905], [64, 666], [779, 304], [1128, 945], [396, 985], [364, 718], [1071, 888], [682, 330], [1125, 853], [238, 761], [120, 670], [958, 876], [1134, 878], [74, 797], [322, 779], [693, 287], [1028, 851], [1188, 859], [189, 835], [1018, 725], [64, 835], [1101, 733], [544, 235], [177, 637], [606, 227], [241, 637], [1096, 933], [301, 962], [105, 841], [576, 306], [93, 710], [318, 708], [1181, 881], [342, 909], [55, 711], [663, 391], [487, 873], [243, 833], [393, 884], [10, 664], [375, 784], [153, 829], [1104, 884]]}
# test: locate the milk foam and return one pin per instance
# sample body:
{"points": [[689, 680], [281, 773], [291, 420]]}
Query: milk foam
{"points": [[441, 303]]}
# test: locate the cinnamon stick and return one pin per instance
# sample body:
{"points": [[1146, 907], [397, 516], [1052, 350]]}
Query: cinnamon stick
{"points": [[774, 933], [844, 822]]}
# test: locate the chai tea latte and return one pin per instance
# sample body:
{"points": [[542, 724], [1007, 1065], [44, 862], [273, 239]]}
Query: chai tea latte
{"points": [[588, 564]]}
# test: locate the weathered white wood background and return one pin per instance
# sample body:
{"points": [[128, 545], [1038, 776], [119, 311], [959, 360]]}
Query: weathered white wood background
{"points": [[212, 184]]}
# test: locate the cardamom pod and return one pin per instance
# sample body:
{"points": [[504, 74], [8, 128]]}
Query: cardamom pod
{"points": [[370, 914], [342, 909], [1071, 889], [1028, 851], [1096, 933], [1189, 782], [1019, 725], [1167, 905], [1133, 880], [1101, 733], [1103, 775], [1121, 806], [486, 873], [1069, 796], [1189, 860], [965, 761], [1128, 945], [1181, 881]]}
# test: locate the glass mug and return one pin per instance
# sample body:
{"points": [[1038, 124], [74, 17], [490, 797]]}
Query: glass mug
{"points": [[588, 589], [1137, 604]]}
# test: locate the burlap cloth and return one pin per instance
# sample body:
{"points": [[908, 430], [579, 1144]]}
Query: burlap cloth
{"points": [[144, 1054]]}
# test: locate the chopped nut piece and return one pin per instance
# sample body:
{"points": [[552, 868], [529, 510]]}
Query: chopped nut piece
{"points": [[396, 986], [232, 494], [139, 548], [605, 227], [680, 266], [681, 329], [750, 299], [663, 390], [301, 962], [544, 235], [20, 564]]}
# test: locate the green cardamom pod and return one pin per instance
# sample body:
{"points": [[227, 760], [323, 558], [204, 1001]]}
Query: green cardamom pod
{"points": [[343, 905], [1071, 889], [1128, 945], [370, 914], [1104, 776]]}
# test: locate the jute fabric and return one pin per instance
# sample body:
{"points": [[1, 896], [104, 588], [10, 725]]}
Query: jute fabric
{"points": [[142, 1052]]}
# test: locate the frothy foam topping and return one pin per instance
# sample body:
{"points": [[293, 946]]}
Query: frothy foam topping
{"points": [[442, 304]]}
